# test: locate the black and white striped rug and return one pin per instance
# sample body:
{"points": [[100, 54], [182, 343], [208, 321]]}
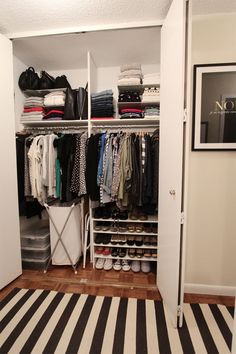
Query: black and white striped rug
{"points": [[41, 321]]}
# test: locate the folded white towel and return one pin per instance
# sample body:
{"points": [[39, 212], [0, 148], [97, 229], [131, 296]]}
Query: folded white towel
{"points": [[129, 81], [132, 66]]}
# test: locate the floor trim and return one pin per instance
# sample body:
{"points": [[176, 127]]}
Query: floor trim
{"points": [[209, 289]]}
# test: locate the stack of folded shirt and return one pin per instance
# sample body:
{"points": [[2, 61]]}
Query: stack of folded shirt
{"points": [[151, 79], [129, 96], [151, 112], [54, 113], [33, 110], [151, 95], [54, 103], [102, 104], [131, 74], [128, 113]]}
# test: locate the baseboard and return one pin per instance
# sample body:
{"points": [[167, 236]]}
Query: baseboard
{"points": [[209, 289]]}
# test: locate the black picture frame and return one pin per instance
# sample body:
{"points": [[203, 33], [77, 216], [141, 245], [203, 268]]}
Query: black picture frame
{"points": [[214, 107]]}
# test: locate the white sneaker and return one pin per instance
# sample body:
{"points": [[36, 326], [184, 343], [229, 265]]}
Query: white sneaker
{"points": [[135, 266], [117, 265], [125, 265], [100, 263], [145, 266], [108, 264]]}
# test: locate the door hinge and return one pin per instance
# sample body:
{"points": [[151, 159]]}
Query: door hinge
{"points": [[179, 310], [185, 115], [182, 218]]}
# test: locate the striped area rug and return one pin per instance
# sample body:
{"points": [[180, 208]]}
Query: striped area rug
{"points": [[41, 321]]}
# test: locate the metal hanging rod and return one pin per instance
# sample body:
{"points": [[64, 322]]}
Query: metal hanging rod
{"points": [[137, 126]]}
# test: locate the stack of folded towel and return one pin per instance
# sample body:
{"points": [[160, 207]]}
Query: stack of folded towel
{"points": [[33, 110], [130, 74], [102, 104], [151, 79], [151, 95], [54, 103], [152, 112]]}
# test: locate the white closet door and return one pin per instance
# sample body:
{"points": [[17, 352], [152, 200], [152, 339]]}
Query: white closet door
{"points": [[10, 255], [171, 157]]}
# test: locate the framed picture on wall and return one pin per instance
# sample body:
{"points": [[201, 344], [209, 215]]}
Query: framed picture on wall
{"points": [[214, 107]]}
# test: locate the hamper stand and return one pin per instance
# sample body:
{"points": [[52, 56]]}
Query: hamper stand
{"points": [[59, 235]]}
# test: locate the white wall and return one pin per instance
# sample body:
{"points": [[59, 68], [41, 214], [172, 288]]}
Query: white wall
{"points": [[211, 225]]}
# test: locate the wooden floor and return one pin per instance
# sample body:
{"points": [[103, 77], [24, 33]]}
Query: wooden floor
{"points": [[101, 282]]}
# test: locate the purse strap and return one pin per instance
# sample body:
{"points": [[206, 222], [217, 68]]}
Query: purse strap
{"points": [[83, 103]]}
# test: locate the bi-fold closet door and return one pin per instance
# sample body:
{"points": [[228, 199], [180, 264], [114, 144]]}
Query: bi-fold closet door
{"points": [[170, 239]]}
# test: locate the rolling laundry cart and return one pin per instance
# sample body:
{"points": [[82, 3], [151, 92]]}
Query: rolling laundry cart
{"points": [[66, 228]]}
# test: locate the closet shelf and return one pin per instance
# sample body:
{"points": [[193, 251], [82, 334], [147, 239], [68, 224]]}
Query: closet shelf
{"points": [[143, 247], [53, 123], [127, 258], [126, 233], [123, 122], [137, 104], [41, 93], [151, 218]]}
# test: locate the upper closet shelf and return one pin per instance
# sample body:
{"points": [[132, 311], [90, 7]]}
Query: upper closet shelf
{"points": [[137, 88], [41, 93], [124, 122], [53, 123]]}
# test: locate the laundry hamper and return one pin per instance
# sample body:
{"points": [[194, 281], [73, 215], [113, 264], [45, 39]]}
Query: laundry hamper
{"points": [[65, 224]]}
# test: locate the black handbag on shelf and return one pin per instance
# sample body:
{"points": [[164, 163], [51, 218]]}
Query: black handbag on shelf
{"points": [[46, 81], [70, 101], [29, 80], [61, 82], [81, 110]]}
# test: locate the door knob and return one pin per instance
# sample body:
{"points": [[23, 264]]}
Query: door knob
{"points": [[172, 192]]}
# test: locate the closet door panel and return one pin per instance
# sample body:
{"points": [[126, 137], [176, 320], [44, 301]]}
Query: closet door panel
{"points": [[171, 151], [10, 256]]}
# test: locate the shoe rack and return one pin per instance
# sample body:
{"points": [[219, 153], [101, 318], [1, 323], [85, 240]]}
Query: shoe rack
{"points": [[125, 239]]}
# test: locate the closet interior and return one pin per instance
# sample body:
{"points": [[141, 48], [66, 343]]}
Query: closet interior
{"points": [[127, 234]]}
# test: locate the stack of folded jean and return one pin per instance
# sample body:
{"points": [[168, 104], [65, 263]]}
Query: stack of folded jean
{"points": [[152, 112], [33, 110], [131, 113], [102, 105], [151, 95], [151, 79], [130, 74]]}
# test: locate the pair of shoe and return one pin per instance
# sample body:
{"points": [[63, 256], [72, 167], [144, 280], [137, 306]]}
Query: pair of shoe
{"points": [[118, 239], [118, 252], [144, 266], [150, 241], [121, 264], [103, 250], [135, 253], [102, 226], [118, 214], [104, 263], [102, 212], [138, 214], [102, 239]]}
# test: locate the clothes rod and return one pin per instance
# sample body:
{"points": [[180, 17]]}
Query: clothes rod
{"points": [[126, 126]]}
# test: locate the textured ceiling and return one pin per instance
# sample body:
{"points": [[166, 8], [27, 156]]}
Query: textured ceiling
{"points": [[20, 17], [27, 15]]}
